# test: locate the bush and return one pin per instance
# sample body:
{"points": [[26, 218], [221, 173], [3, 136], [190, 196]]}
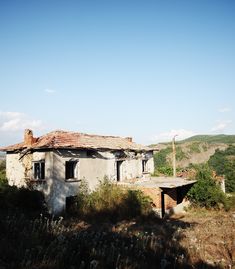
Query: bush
{"points": [[136, 203], [223, 163], [230, 202], [2, 171], [206, 192], [111, 202], [164, 170], [13, 199]]}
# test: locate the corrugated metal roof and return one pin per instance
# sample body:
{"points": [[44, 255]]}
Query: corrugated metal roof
{"points": [[64, 139]]}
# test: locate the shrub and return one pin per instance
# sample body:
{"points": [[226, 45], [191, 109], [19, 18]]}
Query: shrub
{"points": [[111, 202], [165, 170], [136, 203], [223, 163], [2, 171], [206, 192], [21, 199], [230, 202]]}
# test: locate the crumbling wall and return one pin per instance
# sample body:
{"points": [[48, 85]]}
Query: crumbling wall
{"points": [[15, 171]]}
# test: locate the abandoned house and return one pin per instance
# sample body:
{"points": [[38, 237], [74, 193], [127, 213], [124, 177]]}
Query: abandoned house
{"points": [[55, 163]]}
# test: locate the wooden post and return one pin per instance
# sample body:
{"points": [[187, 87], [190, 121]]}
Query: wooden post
{"points": [[173, 156]]}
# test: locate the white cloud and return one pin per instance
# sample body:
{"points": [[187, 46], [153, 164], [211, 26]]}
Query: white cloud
{"points": [[16, 121], [49, 91], [221, 126], [167, 136], [224, 109]]}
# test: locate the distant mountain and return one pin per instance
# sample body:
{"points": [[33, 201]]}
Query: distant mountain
{"points": [[195, 149]]}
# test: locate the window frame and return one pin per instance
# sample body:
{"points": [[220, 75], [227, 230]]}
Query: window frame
{"points": [[39, 175], [74, 172]]}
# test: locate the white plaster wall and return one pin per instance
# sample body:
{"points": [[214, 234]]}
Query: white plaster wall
{"points": [[15, 170], [55, 187], [131, 168], [150, 164], [58, 187], [94, 169]]}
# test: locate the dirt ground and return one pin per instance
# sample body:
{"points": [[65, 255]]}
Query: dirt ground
{"points": [[205, 238], [210, 237]]}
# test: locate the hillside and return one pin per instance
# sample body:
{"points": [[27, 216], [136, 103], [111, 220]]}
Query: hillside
{"points": [[211, 139], [194, 150]]}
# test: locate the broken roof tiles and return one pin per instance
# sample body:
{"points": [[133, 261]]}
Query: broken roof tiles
{"points": [[64, 139]]}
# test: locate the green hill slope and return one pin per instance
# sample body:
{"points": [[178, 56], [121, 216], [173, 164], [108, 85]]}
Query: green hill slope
{"points": [[194, 150], [221, 138]]}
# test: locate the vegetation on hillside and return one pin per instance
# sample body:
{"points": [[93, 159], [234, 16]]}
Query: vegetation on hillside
{"points": [[215, 150], [206, 192], [162, 162], [210, 139], [223, 163], [194, 147], [221, 138]]}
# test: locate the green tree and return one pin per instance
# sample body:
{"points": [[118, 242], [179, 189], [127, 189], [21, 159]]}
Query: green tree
{"points": [[223, 162], [205, 192]]}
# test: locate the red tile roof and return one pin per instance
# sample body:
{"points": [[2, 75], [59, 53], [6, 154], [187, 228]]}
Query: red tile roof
{"points": [[63, 139]]}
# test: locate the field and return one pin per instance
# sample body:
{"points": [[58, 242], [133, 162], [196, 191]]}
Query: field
{"points": [[197, 239]]}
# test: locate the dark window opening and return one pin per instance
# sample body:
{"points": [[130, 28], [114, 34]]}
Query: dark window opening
{"points": [[70, 168], [70, 203], [144, 166], [39, 170], [119, 174], [90, 153]]}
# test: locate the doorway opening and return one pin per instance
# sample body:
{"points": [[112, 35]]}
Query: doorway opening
{"points": [[119, 170]]}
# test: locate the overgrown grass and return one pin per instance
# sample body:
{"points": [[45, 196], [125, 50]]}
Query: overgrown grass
{"points": [[42, 242], [111, 202]]}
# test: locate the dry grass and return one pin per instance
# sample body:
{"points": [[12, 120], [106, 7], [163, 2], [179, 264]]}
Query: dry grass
{"points": [[210, 238], [198, 239]]}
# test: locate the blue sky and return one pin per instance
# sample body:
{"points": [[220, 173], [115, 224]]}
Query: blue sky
{"points": [[147, 69]]}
